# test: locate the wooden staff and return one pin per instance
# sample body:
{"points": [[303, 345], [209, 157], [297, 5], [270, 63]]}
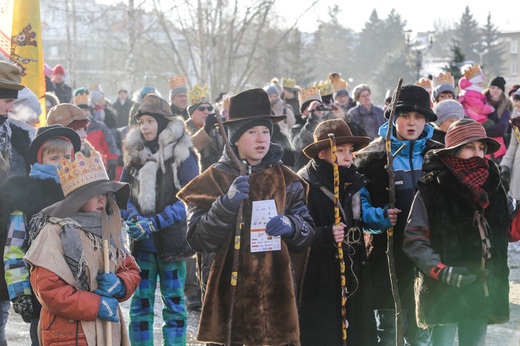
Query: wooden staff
{"points": [[105, 236], [238, 230], [337, 220], [390, 232]]}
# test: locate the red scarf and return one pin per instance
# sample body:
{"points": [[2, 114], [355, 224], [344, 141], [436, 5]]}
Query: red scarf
{"points": [[472, 173]]}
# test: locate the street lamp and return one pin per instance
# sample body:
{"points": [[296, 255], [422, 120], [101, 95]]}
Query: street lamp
{"points": [[480, 54], [419, 45]]}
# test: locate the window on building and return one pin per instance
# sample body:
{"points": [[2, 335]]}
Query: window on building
{"points": [[514, 47], [514, 69]]}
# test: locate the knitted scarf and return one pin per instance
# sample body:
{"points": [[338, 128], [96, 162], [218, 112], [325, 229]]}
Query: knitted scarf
{"points": [[471, 173]]}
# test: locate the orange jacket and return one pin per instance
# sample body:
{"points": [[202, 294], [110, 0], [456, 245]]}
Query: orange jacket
{"points": [[63, 306]]}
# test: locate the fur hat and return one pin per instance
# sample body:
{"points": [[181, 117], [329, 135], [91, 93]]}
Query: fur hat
{"points": [[413, 98], [341, 132], [83, 179], [358, 89], [26, 99], [64, 114], [248, 109], [447, 109], [152, 104], [58, 69], [499, 82], [44, 133], [465, 131], [10, 80]]}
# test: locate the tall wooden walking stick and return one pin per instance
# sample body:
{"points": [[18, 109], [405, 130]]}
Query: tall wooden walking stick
{"points": [[390, 232], [337, 220], [238, 229], [105, 236]]}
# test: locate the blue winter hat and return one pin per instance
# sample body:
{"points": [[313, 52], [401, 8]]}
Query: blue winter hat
{"points": [[146, 90], [439, 89]]}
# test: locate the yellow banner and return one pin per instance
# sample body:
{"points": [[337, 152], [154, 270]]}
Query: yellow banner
{"points": [[25, 47]]}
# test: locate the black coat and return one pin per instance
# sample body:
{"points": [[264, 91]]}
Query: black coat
{"points": [[455, 238], [320, 310]]}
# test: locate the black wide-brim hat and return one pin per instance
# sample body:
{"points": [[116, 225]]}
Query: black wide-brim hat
{"points": [[45, 133], [77, 198], [251, 104], [413, 98], [342, 135]]}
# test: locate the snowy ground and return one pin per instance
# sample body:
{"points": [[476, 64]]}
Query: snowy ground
{"points": [[507, 334]]}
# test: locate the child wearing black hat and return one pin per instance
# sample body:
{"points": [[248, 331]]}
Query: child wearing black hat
{"points": [[457, 235], [51, 145], [411, 129], [80, 269], [321, 307], [264, 302]]}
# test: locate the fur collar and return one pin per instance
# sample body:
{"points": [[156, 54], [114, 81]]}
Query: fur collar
{"points": [[174, 145]]}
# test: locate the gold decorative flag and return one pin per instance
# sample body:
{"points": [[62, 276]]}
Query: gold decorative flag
{"points": [[21, 41]]}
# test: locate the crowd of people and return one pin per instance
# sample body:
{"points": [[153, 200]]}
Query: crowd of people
{"points": [[267, 209]]}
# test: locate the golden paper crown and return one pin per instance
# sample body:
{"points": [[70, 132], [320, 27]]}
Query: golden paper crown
{"points": [[177, 82], [426, 83], [81, 99], [325, 87], [338, 83], [288, 82], [472, 71], [199, 94], [82, 171], [311, 93], [443, 78]]}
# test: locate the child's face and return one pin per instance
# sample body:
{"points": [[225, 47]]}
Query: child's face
{"points": [[445, 95], [472, 149], [254, 144], [148, 127], [54, 158], [96, 204], [344, 153], [409, 126]]}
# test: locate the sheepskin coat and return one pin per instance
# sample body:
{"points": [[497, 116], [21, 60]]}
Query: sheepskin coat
{"points": [[154, 180]]}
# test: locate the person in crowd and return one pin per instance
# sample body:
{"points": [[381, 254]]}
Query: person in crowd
{"points": [[265, 300], [471, 97], [426, 83], [159, 161], [79, 297], [71, 116], [341, 96], [510, 164], [448, 111], [279, 107], [411, 129], [499, 127], [99, 135], [443, 87], [179, 96], [41, 187], [457, 236], [365, 114], [101, 110], [47, 71], [61, 89], [10, 85], [320, 310], [22, 119], [122, 105], [137, 98], [290, 96]]}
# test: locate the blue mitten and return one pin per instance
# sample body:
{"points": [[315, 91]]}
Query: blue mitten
{"points": [[238, 191], [135, 232], [130, 212], [280, 225], [171, 214], [108, 309], [109, 285]]}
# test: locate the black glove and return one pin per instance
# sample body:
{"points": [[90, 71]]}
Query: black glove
{"points": [[111, 169], [210, 122], [238, 191], [453, 276], [505, 175], [23, 305]]}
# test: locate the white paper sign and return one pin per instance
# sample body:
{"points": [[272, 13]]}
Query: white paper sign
{"points": [[263, 211]]}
